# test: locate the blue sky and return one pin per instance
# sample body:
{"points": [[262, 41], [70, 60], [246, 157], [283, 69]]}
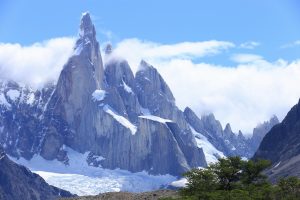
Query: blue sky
{"points": [[271, 23], [239, 59]]}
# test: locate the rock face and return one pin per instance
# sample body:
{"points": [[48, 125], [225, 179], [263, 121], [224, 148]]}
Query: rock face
{"points": [[70, 113], [131, 121], [281, 145], [20, 112], [17, 182], [261, 130]]}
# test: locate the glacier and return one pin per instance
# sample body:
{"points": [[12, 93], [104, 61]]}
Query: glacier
{"points": [[81, 179]]}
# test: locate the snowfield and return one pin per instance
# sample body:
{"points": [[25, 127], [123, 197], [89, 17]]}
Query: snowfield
{"points": [[81, 179]]}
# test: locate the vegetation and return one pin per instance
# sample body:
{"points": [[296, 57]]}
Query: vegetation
{"points": [[235, 179]]}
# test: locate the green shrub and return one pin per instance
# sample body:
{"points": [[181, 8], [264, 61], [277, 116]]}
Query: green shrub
{"points": [[235, 179]]}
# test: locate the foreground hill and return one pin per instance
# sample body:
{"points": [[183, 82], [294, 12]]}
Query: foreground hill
{"points": [[17, 182]]}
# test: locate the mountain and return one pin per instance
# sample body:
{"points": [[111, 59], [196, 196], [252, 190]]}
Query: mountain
{"points": [[112, 119], [281, 145], [17, 182], [122, 120], [225, 141]]}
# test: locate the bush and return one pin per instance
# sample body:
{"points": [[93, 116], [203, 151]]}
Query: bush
{"points": [[235, 179]]}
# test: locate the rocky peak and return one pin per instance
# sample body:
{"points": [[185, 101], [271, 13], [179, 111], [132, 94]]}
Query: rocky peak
{"points": [[144, 66], [227, 128], [72, 101], [241, 135], [260, 130], [274, 120], [212, 124], [228, 133], [108, 49], [87, 28], [153, 92], [194, 121]]}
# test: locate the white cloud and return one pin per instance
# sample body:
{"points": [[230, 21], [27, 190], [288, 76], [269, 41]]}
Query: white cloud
{"points": [[244, 95], [155, 51], [37, 63], [246, 58], [249, 45], [293, 44]]}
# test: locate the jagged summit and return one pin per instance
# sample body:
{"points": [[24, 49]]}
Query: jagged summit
{"points": [[87, 27], [108, 49], [227, 128], [274, 120], [144, 65]]}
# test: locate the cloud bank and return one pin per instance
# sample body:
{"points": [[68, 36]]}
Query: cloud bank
{"points": [[35, 64], [245, 94], [134, 49]]}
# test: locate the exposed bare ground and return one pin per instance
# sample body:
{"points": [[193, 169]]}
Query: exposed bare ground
{"points": [[154, 195]]}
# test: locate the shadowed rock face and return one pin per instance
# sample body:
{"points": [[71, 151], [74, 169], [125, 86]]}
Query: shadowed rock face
{"points": [[261, 130], [106, 110], [281, 145], [17, 182], [226, 141]]}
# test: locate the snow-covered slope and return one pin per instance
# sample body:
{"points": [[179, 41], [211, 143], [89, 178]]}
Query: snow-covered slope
{"points": [[211, 153], [81, 179]]}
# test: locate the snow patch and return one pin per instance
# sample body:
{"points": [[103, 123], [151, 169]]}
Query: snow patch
{"points": [[122, 120], [3, 100], [13, 94], [277, 165], [81, 179], [127, 88], [30, 99], [78, 50], [99, 95], [155, 118], [210, 152]]}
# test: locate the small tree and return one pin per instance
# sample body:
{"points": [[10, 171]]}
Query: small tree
{"points": [[289, 188], [229, 179], [201, 182], [252, 172], [228, 171]]}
